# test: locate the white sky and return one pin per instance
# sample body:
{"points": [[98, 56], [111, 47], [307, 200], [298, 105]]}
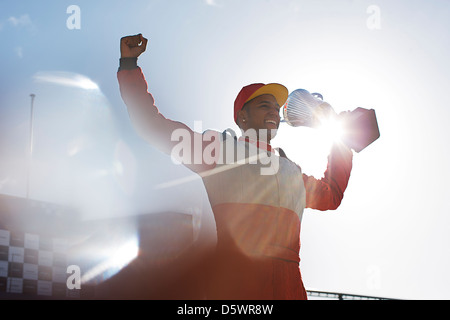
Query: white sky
{"points": [[390, 235]]}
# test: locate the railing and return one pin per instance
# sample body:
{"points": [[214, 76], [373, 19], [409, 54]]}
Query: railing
{"points": [[341, 296]]}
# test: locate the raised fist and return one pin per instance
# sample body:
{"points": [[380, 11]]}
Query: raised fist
{"points": [[132, 46]]}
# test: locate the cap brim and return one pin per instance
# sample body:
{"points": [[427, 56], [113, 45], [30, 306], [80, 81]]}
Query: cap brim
{"points": [[279, 91]]}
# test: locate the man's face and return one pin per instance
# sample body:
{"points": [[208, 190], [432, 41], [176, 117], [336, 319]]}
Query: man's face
{"points": [[262, 112]]}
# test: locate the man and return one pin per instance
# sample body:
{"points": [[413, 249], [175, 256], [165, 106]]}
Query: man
{"points": [[257, 196]]}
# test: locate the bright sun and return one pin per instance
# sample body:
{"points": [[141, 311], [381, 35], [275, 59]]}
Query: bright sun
{"points": [[310, 147], [331, 129]]}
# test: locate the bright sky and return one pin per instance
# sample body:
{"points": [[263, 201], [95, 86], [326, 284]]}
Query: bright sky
{"points": [[389, 237]]}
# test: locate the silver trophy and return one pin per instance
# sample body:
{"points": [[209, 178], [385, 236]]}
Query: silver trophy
{"points": [[308, 109]]}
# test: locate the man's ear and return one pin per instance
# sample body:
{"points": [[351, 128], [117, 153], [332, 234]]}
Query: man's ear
{"points": [[242, 117]]}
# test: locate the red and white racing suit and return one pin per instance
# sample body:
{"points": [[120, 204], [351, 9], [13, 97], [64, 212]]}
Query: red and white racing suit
{"points": [[258, 216]]}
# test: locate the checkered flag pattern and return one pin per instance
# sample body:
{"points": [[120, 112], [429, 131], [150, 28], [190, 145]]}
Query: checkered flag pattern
{"points": [[31, 264]]}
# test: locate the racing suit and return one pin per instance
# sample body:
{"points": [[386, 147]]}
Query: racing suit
{"points": [[257, 213]]}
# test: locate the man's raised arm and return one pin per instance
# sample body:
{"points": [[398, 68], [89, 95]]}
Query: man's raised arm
{"points": [[149, 123], [328, 192]]}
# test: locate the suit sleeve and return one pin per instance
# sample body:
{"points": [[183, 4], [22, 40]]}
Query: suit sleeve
{"points": [[164, 134], [328, 192]]}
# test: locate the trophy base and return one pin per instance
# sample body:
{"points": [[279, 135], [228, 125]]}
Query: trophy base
{"points": [[361, 129]]}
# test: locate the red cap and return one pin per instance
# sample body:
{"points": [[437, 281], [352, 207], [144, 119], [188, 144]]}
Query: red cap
{"points": [[254, 90]]}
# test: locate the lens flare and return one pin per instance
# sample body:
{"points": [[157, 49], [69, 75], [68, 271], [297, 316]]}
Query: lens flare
{"points": [[68, 79], [115, 260], [331, 129]]}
